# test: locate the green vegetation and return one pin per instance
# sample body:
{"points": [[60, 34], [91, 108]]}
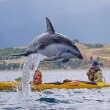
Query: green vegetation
{"points": [[89, 45], [11, 66], [5, 53], [94, 45], [76, 41]]}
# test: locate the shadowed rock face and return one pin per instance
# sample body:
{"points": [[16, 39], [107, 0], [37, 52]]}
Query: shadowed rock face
{"points": [[53, 45]]}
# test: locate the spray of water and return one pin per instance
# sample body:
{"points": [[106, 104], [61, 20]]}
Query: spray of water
{"points": [[33, 59]]}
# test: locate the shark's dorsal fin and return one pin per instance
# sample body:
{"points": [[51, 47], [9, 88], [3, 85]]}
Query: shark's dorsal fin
{"points": [[50, 28]]}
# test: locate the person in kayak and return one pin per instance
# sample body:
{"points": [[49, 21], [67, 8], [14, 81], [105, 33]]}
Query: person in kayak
{"points": [[37, 78], [94, 73]]}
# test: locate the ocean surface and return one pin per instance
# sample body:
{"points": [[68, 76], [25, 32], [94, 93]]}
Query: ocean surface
{"points": [[56, 99]]}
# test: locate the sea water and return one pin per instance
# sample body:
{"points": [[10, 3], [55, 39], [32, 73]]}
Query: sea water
{"points": [[56, 99]]}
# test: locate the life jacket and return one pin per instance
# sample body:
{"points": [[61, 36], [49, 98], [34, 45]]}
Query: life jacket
{"points": [[37, 79], [91, 76]]}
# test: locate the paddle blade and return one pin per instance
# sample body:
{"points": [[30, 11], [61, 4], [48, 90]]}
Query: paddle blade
{"points": [[101, 83]]}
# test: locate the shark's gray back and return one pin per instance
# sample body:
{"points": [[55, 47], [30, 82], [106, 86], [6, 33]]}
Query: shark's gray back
{"points": [[48, 39]]}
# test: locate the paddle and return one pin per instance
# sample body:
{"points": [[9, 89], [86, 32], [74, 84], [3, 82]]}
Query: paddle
{"points": [[86, 82], [98, 83], [56, 83]]}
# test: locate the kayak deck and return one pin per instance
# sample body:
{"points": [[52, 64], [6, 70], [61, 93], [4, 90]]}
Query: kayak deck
{"points": [[14, 85], [66, 86]]}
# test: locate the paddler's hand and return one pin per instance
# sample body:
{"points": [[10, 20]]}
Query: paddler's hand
{"points": [[93, 82]]}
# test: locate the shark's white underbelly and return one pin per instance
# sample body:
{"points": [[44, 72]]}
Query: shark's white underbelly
{"points": [[53, 50]]}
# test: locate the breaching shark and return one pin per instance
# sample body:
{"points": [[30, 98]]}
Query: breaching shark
{"points": [[53, 45]]}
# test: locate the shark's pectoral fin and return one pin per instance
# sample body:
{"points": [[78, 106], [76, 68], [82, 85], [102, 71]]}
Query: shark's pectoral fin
{"points": [[52, 58], [65, 60]]}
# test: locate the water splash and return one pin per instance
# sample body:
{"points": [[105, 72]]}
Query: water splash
{"points": [[33, 59]]}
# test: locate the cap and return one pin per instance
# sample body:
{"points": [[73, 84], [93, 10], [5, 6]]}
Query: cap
{"points": [[95, 63], [92, 68]]}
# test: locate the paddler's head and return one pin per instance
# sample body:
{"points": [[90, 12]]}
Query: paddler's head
{"points": [[38, 74], [96, 65]]}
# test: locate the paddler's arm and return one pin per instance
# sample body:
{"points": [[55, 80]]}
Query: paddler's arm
{"points": [[99, 77], [88, 72]]}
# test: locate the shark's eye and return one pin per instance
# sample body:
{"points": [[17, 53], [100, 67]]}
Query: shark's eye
{"points": [[68, 51]]}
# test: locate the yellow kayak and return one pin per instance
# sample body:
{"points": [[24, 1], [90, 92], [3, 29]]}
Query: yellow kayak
{"points": [[14, 85]]}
